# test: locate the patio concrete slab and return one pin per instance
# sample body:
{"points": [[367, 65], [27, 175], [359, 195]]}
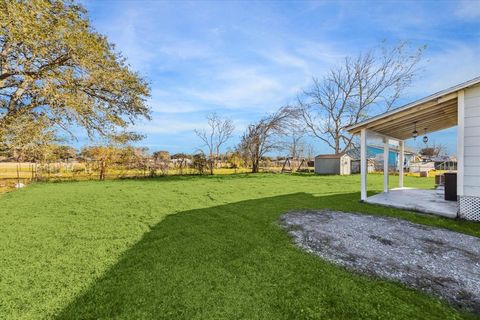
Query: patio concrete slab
{"points": [[427, 201]]}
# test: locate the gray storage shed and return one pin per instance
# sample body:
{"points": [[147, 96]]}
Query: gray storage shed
{"points": [[333, 164]]}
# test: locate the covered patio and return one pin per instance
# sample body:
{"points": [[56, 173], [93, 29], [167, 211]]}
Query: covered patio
{"points": [[436, 112]]}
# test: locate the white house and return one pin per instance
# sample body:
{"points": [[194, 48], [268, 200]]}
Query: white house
{"points": [[456, 106]]}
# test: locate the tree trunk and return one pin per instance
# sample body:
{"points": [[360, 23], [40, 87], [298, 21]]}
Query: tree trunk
{"points": [[337, 143], [255, 165], [18, 173], [211, 164], [102, 171]]}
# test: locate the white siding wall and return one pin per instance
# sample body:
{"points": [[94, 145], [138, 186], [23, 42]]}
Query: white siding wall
{"points": [[471, 182]]}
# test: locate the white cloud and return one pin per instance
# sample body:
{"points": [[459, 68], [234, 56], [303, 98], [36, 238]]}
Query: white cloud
{"points": [[287, 59], [469, 9], [172, 106], [244, 87], [168, 125], [323, 53], [172, 102], [455, 64], [186, 50]]}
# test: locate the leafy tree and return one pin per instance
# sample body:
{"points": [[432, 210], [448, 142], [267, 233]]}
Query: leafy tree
{"points": [[235, 159], [23, 139], [105, 156], [161, 156], [64, 152], [33, 144], [132, 157], [56, 71], [181, 161], [199, 162], [162, 161], [140, 158]]}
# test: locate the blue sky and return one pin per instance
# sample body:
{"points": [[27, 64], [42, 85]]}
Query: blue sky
{"points": [[244, 59]]}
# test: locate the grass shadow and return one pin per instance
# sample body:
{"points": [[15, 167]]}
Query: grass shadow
{"points": [[233, 261]]}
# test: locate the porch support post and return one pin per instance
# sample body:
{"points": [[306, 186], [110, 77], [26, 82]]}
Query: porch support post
{"points": [[402, 161], [363, 163], [460, 141], [385, 163]]}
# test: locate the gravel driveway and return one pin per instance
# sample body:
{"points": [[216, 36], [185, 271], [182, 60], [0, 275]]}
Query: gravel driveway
{"points": [[441, 262]]}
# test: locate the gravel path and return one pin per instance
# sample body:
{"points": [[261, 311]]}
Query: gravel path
{"points": [[441, 262]]}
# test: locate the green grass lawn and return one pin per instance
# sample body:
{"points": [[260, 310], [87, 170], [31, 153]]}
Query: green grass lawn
{"points": [[191, 248]]}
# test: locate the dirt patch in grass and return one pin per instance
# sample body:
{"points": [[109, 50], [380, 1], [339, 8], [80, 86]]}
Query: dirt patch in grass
{"points": [[438, 261]]}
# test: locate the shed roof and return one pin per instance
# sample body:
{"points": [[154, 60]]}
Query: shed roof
{"points": [[435, 112], [331, 156]]}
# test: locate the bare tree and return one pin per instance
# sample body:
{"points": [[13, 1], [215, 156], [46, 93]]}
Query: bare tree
{"points": [[260, 137], [432, 151], [293, 145], [309, 152], [219, 131], [294, 142], [350, 92]]}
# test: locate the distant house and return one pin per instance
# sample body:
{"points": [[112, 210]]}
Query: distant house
{"points": [[444, 162], [375, 158], [333, 164], [376, 153], [422, 164]]}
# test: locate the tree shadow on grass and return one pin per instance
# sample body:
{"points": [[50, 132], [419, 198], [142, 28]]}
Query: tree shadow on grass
{"points": [[234, 262]]}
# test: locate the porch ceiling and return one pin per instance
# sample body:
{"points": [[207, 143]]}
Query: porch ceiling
{"points": [[432, 115]]}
